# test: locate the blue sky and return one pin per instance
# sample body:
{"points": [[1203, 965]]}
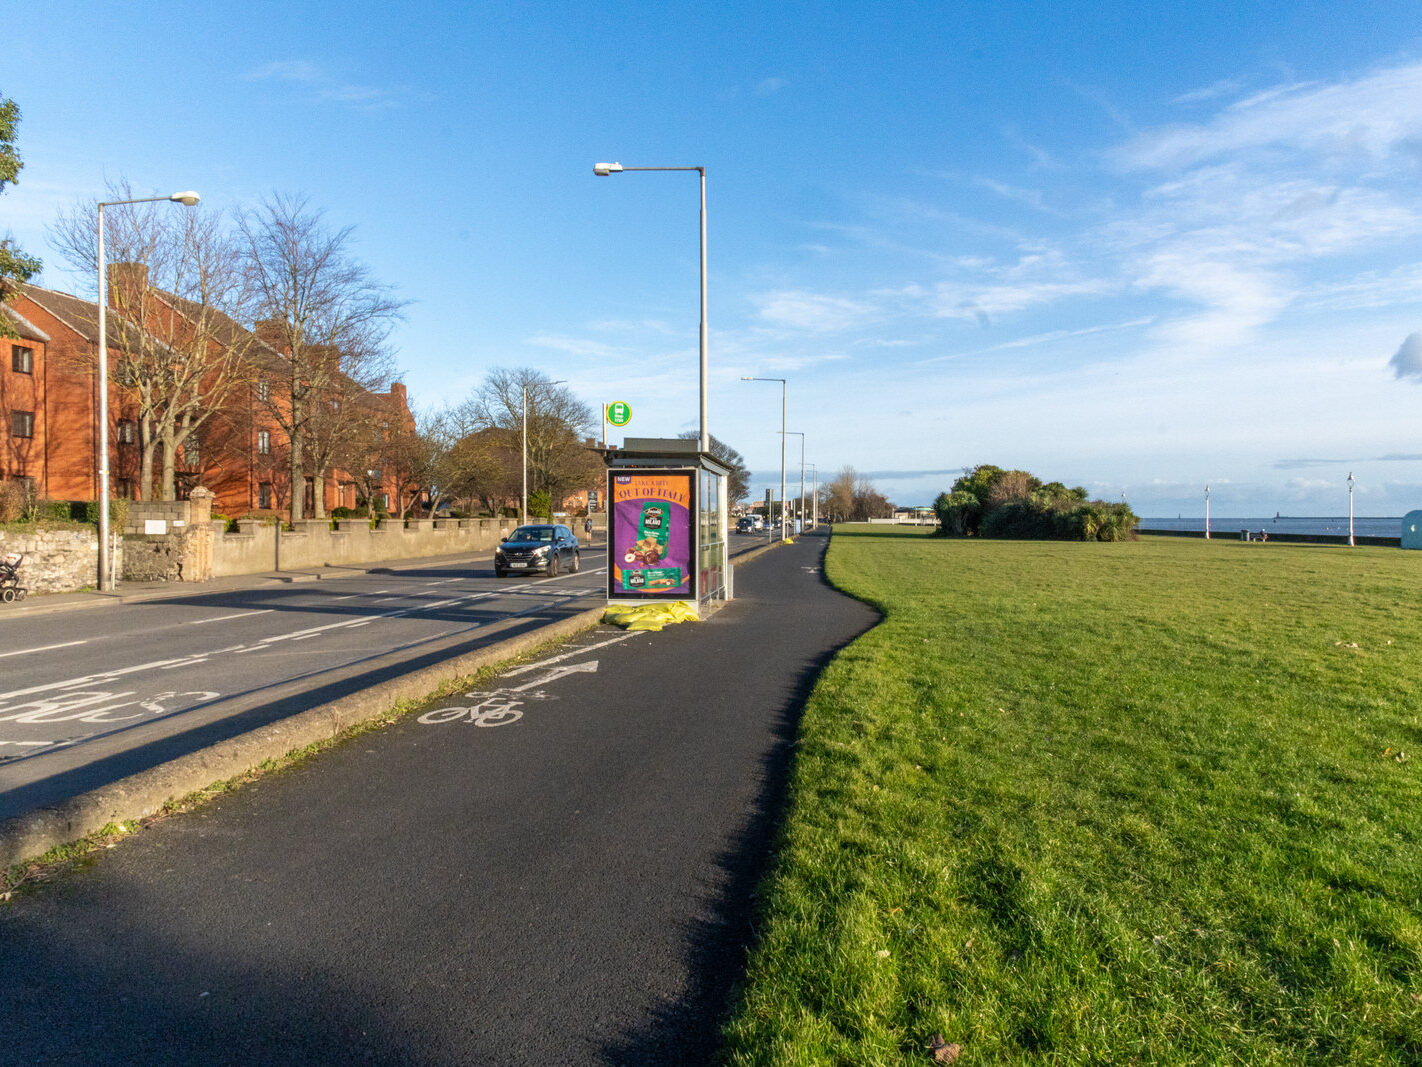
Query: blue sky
{"points": [[1140, 247]]}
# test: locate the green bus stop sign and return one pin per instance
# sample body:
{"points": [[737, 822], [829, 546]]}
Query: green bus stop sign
{"points": [[619, 413]]}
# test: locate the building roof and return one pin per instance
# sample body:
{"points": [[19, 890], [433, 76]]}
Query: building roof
{"points": [[27, 330], [81, 316]]}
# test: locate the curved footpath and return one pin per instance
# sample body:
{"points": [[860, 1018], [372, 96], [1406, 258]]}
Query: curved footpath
{"points": [[558, 869]]}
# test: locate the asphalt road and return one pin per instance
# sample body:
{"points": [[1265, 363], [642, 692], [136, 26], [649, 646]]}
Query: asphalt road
{"points": [[557, 868], [92, 696]]}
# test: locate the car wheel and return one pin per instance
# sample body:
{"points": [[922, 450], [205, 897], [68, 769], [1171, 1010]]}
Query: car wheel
{"points": [[498, 573], [577, 562], [553, 568]]}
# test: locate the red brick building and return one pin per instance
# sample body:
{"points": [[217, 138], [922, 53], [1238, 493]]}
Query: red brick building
{"points": [[49, 405]]}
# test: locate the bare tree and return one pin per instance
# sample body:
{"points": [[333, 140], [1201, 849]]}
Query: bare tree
{"points": [[851, 497], [176, 289], [320, 308], [559, 461]]}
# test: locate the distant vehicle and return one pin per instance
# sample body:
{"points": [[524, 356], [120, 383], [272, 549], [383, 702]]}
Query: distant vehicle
{"points": [[746, 525], [545, 547], [759, 521]]}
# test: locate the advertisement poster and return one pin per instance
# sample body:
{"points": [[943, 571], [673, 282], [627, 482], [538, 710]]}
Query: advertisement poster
{"points": [[651, 522]]}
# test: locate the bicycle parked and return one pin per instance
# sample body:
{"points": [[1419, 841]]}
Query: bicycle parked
{"points": [[10, 587]]}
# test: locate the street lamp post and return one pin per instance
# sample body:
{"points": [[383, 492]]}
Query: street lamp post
{"points": [[782, 445], [801, 508], [187, 198], [602, 170], [523, 521], [1207, 513], [1350, 509]]}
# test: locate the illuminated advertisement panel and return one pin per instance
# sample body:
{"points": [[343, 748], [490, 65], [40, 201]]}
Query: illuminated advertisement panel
{"points": [[651, 522]]}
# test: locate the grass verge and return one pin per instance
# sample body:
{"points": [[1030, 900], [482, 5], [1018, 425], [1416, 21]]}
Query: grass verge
{"points": [[1103, 803]]}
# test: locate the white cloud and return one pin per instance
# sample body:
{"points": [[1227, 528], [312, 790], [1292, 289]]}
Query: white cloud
{"points": [[1406, 362], [770, 85], [1373, 116], [813, 311], [328, 87]]}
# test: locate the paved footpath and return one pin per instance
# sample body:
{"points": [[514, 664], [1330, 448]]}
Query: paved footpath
{"points": [[555, 869]]}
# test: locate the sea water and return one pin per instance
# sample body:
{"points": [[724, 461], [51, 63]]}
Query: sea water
{"points": [[1291, 524]]}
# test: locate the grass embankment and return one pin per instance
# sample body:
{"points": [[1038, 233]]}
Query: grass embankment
{"points": [[1095, 803]]}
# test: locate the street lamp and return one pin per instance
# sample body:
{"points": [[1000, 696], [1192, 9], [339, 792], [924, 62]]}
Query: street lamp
{"points": [[560, 381], [187, 198], [782, 445], [602, 170], [801, 436], [1207, 513], [1350, 509]]}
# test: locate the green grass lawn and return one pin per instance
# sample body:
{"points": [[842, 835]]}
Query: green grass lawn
{"points": [[1103, 803]]}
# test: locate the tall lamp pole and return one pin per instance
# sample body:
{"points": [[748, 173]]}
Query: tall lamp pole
{"points": [[602, 170], [1207, 513], [782, 445], [1350, 509], [524, 509], [801, 510], [188, 199], [815, 497]]}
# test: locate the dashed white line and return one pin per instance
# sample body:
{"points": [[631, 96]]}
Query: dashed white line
{"points": [[239, 615], [46, 648]]}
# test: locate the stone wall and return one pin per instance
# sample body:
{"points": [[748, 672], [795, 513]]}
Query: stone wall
{"points": [[258, 547], [169, 540], [57, 561]]}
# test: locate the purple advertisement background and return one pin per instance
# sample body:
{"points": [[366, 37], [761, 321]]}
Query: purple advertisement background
{"points": [[625, 519]]}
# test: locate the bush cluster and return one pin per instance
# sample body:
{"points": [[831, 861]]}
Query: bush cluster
{"points": [[988, 501]]}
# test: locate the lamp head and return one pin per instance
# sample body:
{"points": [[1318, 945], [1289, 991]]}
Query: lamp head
{"points": [[602, 170], [187, 198]]}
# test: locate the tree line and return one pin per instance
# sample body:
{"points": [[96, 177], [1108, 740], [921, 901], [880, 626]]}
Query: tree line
{"points": [[988, 501]]}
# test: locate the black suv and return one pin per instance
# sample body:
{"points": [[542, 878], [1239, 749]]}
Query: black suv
{"points": [[538, 548]]}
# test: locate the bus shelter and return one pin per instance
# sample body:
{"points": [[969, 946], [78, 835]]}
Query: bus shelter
{"points": [[667, 524]]}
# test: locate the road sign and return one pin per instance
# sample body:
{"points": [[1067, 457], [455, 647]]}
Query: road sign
{"points": [[619, 413]]}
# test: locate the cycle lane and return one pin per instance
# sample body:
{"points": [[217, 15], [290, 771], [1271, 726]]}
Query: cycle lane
{"points": [[574, 882]]}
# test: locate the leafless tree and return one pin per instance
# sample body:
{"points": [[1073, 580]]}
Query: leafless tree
{"points": [[321, 308], [177, 292], [559, 461]]}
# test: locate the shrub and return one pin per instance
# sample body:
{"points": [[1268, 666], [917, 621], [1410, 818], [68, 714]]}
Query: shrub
{"points": [[991, 502]]}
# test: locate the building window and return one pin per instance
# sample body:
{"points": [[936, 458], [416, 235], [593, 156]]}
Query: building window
{"points": [[264, 495], [126, 433], [22, 360], [264, 442], [192, 454], [264, 389], [22, 423], [124, 374]]}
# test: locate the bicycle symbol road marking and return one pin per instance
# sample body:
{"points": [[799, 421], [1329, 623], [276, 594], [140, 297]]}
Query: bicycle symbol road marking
{"points": [[498, 708]]}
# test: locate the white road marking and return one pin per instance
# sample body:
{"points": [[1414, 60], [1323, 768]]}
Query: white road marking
{"points": [[46, 648], [590, 667], [567, 655], [239, 615], [262, 645]]}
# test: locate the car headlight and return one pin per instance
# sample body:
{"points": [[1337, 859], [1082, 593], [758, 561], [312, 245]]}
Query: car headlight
{"points": [[541, 551]]}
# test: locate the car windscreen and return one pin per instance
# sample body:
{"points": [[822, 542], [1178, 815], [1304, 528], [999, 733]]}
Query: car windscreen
{"points": [[532, 533]]}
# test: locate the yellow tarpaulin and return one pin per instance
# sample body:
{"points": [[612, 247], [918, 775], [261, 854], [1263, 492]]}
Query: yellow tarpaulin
{"points": [[650, 616]]}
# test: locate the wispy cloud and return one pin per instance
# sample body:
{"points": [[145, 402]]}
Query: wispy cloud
{"points": [[326, 86], [1045, 338], [814, 312], [769, 86], [1376, 116]]}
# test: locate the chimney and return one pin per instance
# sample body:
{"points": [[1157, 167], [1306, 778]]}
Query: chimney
{"points": [[397, 393], [127, 284], [271, 332]]}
